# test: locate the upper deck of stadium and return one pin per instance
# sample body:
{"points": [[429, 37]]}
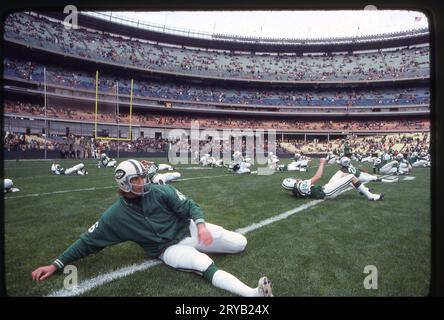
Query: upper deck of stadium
{"points": [[384, 58]]}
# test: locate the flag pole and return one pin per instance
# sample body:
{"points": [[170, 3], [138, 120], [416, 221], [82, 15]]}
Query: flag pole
{"points": [[118, 128], [45, 98]]}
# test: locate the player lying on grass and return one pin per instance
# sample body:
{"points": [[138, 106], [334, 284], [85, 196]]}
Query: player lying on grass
{"points": [[159, 178], [106, 162], [167, 225], [209, 161], [347, 167], [239, 164], [77, 169], [8, 186], [387, 166], [300, 163], [308, 189]]}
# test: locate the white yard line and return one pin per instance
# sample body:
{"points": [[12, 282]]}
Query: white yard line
{"points": [[280, 216], [205, 177], [58, 192], [95, 282], [98, 188]]}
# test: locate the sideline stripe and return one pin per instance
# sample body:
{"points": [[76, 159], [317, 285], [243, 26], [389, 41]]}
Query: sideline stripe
{"points": [[281, 216], [205, 177], [57, 192], [92, 283], [99, 188]]}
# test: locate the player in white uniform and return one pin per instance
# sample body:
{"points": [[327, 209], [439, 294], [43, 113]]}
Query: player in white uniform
{"points": [[347, 167], [159, 178], [307, 189], [273, 161], [300, 163], [239, 165], [204, 160], [419, 160], [404, 167], [106, 162], [8, 186], [78, 169], [332, 158], [165, 167], [368, 158]]}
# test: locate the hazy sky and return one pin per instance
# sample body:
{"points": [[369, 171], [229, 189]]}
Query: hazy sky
{"points": [[287, 24]]}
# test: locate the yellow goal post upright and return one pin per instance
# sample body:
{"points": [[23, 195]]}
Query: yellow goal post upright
{"points": [[96, 116]]}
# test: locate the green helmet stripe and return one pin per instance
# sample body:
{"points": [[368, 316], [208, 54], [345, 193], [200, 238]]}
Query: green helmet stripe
{"points": [[135, 166]]}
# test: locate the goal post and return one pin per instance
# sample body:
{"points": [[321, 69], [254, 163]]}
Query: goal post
{"points": [[109, 127]]}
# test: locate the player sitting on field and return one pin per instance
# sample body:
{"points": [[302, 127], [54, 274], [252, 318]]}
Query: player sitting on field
{"points": [[77, 169], [308, 189], [167, 225]]}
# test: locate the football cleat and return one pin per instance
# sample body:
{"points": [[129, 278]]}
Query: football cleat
{"points": [[265, 287], [378, 197]]}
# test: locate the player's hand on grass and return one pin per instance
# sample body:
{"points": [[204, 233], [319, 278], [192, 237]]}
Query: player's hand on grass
{"points": [[204, 235], [42, 273]]}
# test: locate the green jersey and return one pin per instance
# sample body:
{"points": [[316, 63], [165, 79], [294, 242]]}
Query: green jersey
{"points": [[347, 151], [351, 169], [155, 221]]}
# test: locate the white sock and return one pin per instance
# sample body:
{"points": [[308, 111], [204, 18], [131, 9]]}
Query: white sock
{"points": [[366, 192], [227, 281]]}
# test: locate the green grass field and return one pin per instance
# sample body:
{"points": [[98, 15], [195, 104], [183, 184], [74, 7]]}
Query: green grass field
{"points": [[320, 251]]}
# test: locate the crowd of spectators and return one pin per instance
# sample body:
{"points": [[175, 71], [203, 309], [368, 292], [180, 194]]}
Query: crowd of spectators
{"points": [[145, 88], [168, 120], [82, 147], [395, 64]]}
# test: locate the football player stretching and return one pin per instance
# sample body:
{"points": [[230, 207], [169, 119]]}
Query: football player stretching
{"points": [[167, 225]]}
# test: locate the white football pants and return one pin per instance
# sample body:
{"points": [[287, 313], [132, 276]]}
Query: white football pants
{"points": [[163, 167], [421, 163], [112, 163], [189, 254], [74, 169], [389, 168], [166, 177], [337, 185]]}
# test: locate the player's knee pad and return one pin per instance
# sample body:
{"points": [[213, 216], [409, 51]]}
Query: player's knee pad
{"points": [[175, 175], [69, 171], [225, 241], [186, 258]]}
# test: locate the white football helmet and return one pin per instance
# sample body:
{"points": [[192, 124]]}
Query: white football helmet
{"points": [[127, 170], [345, 162], [399, 156], [7, 184], [289, 183]]}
